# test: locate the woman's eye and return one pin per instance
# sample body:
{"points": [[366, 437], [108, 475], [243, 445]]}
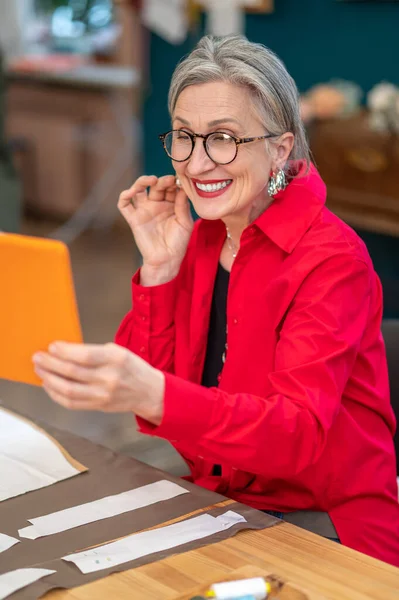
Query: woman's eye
{"points": [[222, 137]]}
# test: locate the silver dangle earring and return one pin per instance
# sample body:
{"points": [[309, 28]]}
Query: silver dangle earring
{"points": [[277, 183], [178, 183]]}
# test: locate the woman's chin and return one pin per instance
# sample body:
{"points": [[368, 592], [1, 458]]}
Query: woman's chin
{"points": [[208, 211], [209, 215]]}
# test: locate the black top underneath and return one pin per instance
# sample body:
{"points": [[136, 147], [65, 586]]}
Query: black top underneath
{"points": [[217, 330], [216, 336]]}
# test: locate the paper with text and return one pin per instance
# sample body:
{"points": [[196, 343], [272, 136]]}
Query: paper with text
{"points": [[148, 542]]}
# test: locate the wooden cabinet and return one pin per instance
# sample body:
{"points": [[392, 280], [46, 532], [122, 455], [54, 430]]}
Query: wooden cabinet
{"points": [[360, 167], [70, 134], [73, 131]]}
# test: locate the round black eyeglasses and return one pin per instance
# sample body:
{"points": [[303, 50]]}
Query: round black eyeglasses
{"points": [[221, 147]]}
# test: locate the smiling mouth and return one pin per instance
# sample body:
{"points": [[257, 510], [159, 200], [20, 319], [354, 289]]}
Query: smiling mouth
{"points": [[213, 187]]}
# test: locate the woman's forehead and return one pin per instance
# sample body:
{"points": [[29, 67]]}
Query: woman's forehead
{"points": [[213, 102]]}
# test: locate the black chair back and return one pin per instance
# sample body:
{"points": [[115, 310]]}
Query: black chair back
{"points": [[390, 332]]}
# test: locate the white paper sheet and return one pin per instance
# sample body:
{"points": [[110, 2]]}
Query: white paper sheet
{"points": [[20, 578], [6, 542], [29, 460], [101, 509], [166, 18], [141, 544]]}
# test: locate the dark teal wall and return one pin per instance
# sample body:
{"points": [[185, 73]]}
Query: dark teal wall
{"points": [[317, 39]]}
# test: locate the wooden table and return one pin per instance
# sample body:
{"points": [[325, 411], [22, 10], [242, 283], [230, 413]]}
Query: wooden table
{"points": [[308, 566], [313, 567]]}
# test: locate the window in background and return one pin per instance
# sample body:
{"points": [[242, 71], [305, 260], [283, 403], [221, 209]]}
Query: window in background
{"points": [[78, 26]]}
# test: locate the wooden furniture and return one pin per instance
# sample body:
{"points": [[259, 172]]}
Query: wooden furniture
{"points": [[71, 135], [359, 166], [264, 6], [78, 128], [313, 568]]}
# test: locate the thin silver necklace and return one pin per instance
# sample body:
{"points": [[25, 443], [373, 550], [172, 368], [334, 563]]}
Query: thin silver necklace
{"points": [[234, 251], [231, 244]]}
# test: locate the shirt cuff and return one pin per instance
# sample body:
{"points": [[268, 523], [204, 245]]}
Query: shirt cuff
{"points": [[154, 303], [188, 411]]}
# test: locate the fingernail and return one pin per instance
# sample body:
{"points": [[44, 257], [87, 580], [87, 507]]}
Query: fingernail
{"points": [[37, 358], [53, 348]]}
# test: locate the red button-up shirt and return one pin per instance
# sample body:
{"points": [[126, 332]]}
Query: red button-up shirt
{"points": [[301, 419]]}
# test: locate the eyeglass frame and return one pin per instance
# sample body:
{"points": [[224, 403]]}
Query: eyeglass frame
{"points": [[194, 136]]}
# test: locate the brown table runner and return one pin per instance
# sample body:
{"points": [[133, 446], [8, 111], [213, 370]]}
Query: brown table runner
{"points": [[109, 473]]}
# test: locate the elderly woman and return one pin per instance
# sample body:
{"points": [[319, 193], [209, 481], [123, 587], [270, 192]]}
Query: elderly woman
{"points": [[254, 342]]}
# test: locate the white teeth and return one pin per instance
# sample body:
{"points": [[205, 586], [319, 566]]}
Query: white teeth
{"points": [[213, 187]]}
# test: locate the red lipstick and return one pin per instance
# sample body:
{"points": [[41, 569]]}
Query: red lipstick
{"points": [[213, 194]]}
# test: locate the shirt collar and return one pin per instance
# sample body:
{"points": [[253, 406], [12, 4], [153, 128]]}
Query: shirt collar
{"points": [[293, 210], [291, 213]]}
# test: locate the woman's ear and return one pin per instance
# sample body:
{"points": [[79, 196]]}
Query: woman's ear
{"points": [[283, 148]]}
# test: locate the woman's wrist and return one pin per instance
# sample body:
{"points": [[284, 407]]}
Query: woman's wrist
{"points": [[152, 276], [152, 407]]}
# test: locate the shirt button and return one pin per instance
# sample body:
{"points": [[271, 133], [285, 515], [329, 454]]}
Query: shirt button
{"points": [[252, 231], [142, 350], [143, 318], [142, 297], [235, 321]]}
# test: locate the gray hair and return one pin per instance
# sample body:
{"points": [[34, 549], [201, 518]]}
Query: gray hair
{"points": [[236, 60]]}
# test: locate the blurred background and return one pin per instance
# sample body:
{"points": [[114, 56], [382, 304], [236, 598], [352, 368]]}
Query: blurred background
{"points": [[83, 96]]}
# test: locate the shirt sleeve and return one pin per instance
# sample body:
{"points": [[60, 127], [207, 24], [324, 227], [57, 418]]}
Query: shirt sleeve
{"points": [[285, 431], [148, 329]]}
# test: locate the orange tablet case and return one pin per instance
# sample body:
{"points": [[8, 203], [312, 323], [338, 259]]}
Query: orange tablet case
{"points": [[37, 302]]}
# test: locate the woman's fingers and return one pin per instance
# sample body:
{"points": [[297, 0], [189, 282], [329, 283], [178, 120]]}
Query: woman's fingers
{"points": [[138, 192], [65, 368], [69, 403], [88, 355], [140, 188], [182, 210], [72, 391], [164, 186], [140, 185], [146, 188]]}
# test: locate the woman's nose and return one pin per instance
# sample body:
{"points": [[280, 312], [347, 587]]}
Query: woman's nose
{"points": [[199, 160]]}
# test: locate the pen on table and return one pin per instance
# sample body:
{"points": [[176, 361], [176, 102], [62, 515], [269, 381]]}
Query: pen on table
{"points": [[240, 598], [257, 588]]}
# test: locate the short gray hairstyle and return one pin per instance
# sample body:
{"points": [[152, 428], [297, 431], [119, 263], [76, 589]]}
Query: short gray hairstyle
{"points": [[234, 59]]}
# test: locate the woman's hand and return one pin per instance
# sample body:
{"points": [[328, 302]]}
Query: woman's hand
{"points": [[106, 377], [159, 216]]}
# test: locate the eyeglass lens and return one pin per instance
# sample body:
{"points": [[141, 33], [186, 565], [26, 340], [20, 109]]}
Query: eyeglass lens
{"points": [[221, 147]]}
